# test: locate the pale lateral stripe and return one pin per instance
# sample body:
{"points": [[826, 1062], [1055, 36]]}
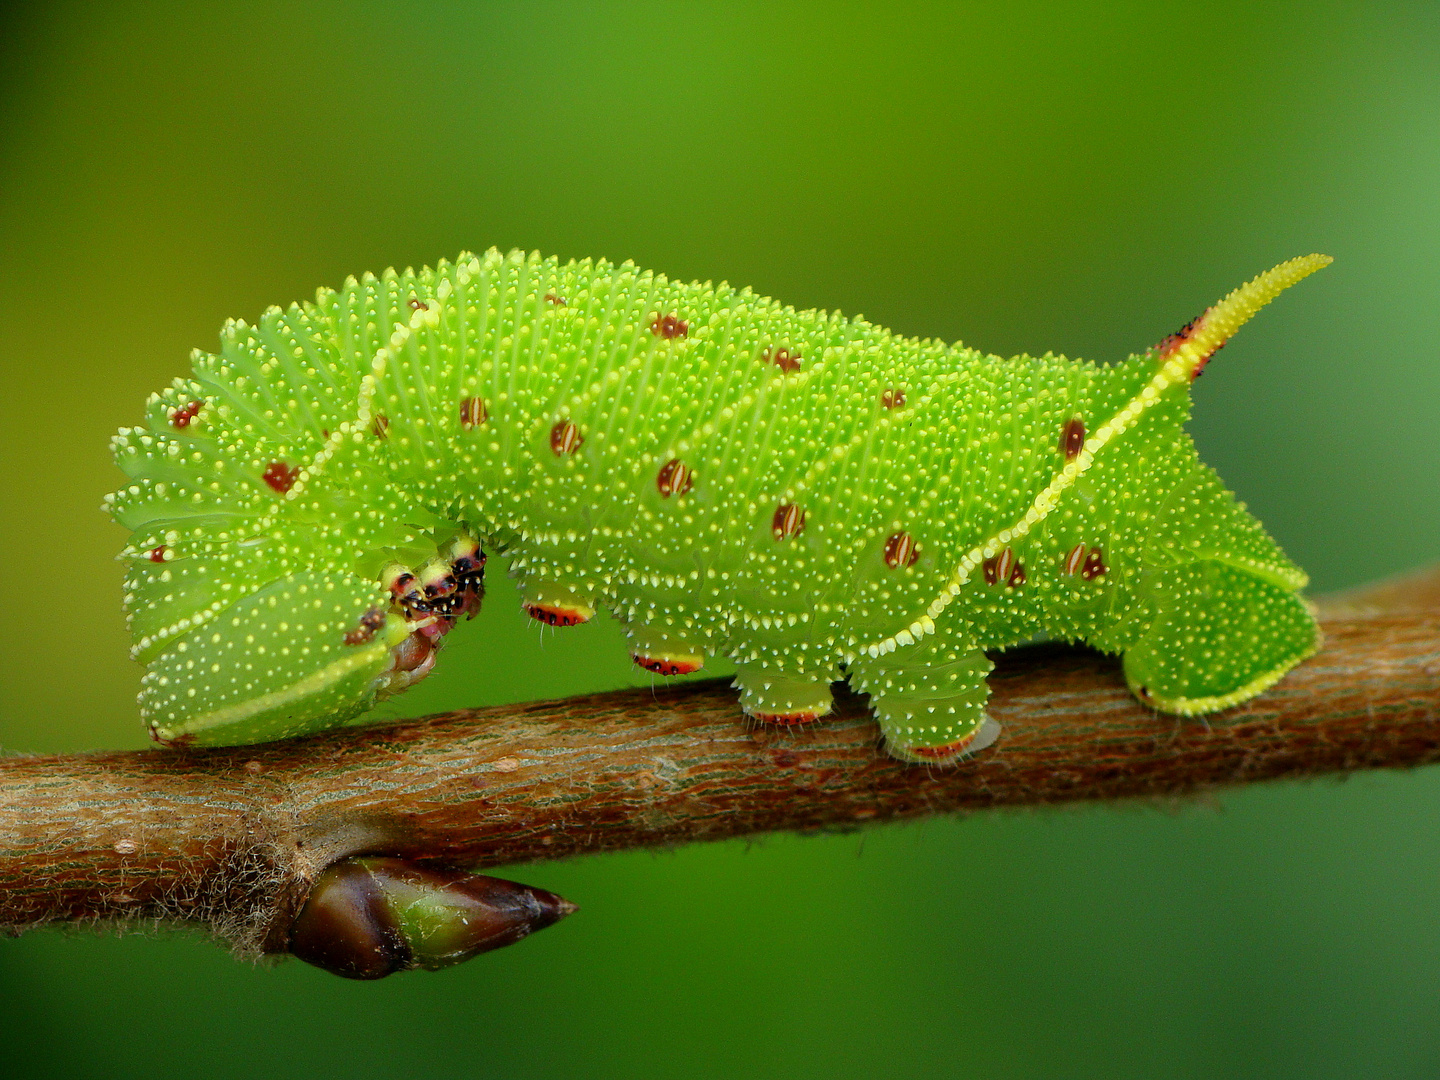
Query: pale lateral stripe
{"points": [[1215, 327]]}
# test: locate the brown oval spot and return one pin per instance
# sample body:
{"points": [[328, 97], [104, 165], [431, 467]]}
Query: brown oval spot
{"points": [[1017, 576], [473, 412], [1072, 438], [669, 326], [553, 300], [789, 520], [893, 399], [900, 550], [565, 438], [157, 554], [1094, 565], [416, 304], [280, 477], [380, 426], [785, 359], [675, 478], [180, 419]]}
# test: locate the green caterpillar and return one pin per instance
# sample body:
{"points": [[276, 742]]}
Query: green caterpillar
{"points": [[812, 496]]}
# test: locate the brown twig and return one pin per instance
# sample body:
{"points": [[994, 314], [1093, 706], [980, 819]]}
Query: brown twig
{"points": [[231, 839]]}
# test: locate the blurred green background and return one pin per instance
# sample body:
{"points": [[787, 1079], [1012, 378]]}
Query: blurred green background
{"points": [[1071, 176]]}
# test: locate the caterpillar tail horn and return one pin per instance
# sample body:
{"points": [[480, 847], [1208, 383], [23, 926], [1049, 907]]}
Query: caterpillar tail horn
{"points": [[1186, 352]]}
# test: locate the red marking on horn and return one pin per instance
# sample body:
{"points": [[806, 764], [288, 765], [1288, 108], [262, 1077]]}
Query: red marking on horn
{"points": [[280, 477], [893, 399], [669, 326], [556, 614], [1073, 558], [789, 520], [900, 550], [991, 576], [157, 554], [180, 419], [380, 426], [675, 478], [565, 438], [667, 665], [1171, 342], [1094, 565], [1072, 438], [473, 412]]}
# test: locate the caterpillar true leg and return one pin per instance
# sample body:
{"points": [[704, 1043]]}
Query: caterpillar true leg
{"points": [[930, 698]]}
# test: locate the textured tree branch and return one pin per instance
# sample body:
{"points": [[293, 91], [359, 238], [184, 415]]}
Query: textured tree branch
{"points": [[231, 839]]}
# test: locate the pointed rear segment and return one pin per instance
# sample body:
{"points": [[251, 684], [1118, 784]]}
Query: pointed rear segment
{"points": [[1188, 351]]}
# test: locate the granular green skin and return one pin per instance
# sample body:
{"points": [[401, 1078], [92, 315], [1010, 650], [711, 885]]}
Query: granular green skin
{"points": [[809, 495]]}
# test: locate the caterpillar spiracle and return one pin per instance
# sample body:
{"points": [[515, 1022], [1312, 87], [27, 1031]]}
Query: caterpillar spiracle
{"points": [[810, 495]]}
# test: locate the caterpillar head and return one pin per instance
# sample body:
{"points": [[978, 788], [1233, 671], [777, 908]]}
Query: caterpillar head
{"points": [[302, 651]]}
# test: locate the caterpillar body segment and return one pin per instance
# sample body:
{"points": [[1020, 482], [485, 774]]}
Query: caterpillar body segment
{"points": [[810, 496]]}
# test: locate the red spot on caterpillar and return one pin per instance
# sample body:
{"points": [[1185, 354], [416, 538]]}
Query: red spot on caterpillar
{"points": [[553, 300], [1072, 438], [565, 438], [893, 399], [473, 412], [786, 360], [669, 326], [557, 614], [789, 520], [1073, 558], [180, 419], [157, 554], [900, 550], [675, 478], [946, 752], [803, 716], [380, 426], [417, 304], [1017, 576], [370, 622], [1171, 342], [998, 567], [668, 665], [280, 477], [1094, 565]]}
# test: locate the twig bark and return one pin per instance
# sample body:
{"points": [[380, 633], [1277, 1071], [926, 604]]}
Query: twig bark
{"points": [[232, 839]]}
